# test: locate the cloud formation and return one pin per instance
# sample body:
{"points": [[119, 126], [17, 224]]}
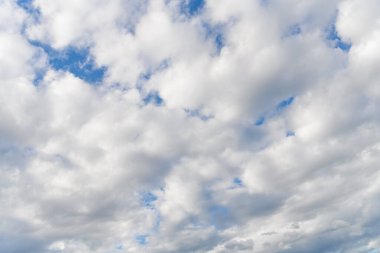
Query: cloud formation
{"points": [[189, 126]]}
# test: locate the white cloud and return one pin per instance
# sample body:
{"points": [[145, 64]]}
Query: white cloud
{"points": [[210, 168]]}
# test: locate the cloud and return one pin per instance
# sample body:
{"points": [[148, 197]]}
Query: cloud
{"points": [[189, 126]]}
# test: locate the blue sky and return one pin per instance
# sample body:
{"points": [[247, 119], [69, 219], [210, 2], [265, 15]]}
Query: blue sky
{"points": [[192, 7], [337, 41], [77, 61], [280, 107]]}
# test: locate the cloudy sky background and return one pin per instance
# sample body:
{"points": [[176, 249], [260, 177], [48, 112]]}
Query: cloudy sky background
{"points": [[189, 126]]}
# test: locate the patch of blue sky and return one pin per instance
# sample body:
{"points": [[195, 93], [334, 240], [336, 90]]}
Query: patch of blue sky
{"points": [[146, 76], [260, 121], [153, 97], [142, 239], [164, 64], [33, 12], [293, 30], [197, 113], [219, 42], [215, 34], [77, 61], [147, 199], [290, 133], [280, 107], [237, 182], [192, 7], [336, 40], [284, 104], [38, 76], [143, 78], [27, 5], [118, 86]]}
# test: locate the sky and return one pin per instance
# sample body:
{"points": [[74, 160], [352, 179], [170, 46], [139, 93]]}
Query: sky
{"points": [[191, 126]]}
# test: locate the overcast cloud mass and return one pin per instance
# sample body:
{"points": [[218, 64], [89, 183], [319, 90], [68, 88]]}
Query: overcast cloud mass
{"points": [[207, 126]]}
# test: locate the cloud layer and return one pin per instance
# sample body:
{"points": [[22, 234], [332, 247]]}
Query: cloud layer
{"points": [[189, 126]]}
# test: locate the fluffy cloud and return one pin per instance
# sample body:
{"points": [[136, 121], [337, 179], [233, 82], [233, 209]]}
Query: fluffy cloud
{"points": [[189, 126]]}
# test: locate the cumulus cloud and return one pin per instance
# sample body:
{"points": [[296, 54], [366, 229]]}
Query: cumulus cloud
{"points": [[189, 126]]}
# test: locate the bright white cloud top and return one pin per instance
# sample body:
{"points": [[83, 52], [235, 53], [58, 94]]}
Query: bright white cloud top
{"points": [[189, 126]]}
